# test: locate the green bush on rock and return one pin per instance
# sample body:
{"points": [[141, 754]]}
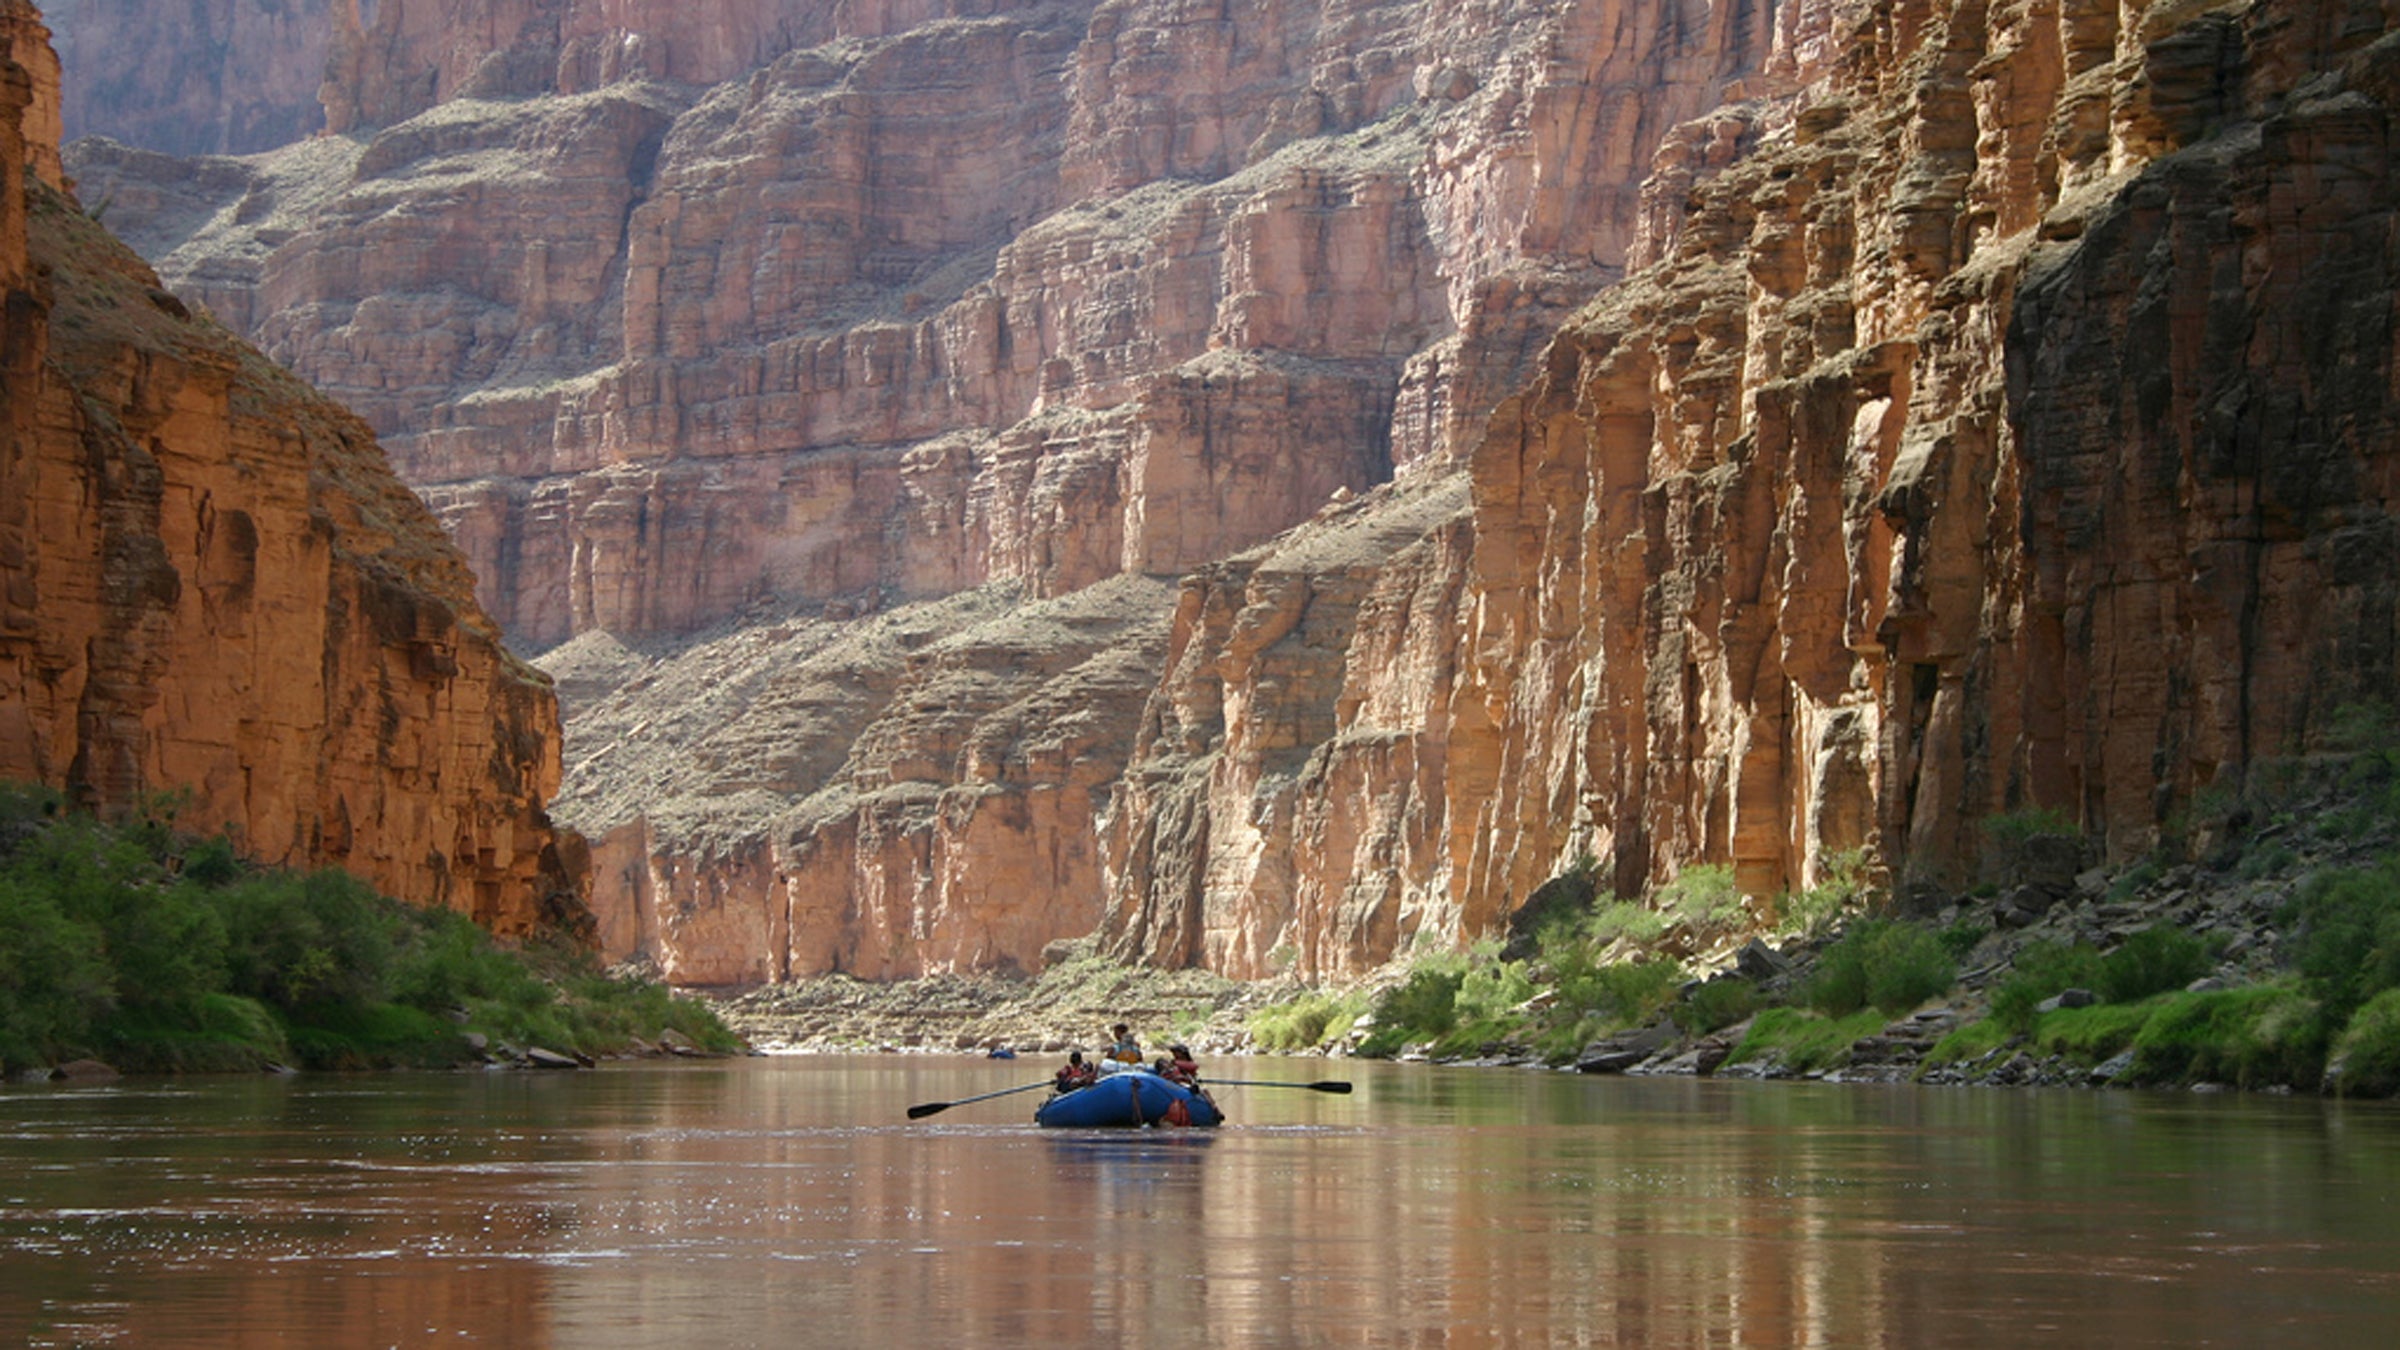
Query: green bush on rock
{"points": [[2348, 922], [2366, 1061], [1307, 1022], [1889, 965], [2156, 960], [2042, 970]]}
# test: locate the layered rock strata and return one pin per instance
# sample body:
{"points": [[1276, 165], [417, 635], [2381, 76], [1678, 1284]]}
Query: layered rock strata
{"points": [[2004, 423], [878, 795], [684, 319], [212, 587], [921, 296], [1997, 416]]}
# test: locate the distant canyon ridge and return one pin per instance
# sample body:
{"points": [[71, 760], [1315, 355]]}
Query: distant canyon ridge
{"points": [[1271, 484]]}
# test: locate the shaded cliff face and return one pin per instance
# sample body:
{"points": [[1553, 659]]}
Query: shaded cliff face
{"points": [[2006, 421], [205, 77], [211, 584]]}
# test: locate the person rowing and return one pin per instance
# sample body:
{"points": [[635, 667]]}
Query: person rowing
{"points": [[1075, 1073], [1177, 1066]]}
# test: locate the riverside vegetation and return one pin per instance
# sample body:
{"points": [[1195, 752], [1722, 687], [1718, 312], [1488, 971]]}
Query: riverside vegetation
{"points": [[157, 951], [2258, 947]]}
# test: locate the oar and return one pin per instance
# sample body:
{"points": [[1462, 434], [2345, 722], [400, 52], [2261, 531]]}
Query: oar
{"points": [[924, 1109], [1334, 1085]]}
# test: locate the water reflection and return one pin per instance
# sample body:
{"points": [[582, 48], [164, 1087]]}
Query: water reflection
{"points": [[789, 1202]]}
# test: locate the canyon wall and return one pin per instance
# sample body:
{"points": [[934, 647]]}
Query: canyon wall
{"points": [[211, 585], [748, 314], [1274, 483], [196, 77], [2005, 422]]}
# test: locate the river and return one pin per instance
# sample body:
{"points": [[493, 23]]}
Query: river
{"points": [[787, 1202]]}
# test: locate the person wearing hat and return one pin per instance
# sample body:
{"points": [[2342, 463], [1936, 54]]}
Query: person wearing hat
{"points": [[1126, 1050]]}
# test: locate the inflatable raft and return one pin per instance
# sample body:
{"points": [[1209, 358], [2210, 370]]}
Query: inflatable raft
{"points": [[1130, 1097]]}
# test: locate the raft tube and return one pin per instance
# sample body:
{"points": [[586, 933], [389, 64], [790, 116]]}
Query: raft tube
{"points": [[1133, 1097]]}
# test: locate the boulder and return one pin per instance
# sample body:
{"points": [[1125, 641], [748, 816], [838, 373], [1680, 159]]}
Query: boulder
{"points": [[539, 1058], [2068, 998], [1759, 962]]}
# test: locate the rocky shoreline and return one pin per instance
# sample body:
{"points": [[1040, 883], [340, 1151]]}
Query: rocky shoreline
{"points": [[2229, 880]]}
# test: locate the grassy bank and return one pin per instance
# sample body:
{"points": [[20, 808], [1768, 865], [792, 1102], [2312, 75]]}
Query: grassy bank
{"points": [[159, 952], [2258, 947]]}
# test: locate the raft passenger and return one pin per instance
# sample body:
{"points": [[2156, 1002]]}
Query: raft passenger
{"points": [[1126, 1050], [1075, 1073]]}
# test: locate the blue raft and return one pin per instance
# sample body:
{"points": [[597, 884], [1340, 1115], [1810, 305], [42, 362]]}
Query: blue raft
{"points": [[1131, 1097]]}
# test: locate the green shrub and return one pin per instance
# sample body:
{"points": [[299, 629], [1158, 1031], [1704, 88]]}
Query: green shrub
{"points": [[2090, 1035], [222, 1033], [442, 961], [212, 863], [1703, 896], [1624, 920], [1423, 1007], [1893, 966], [1490, 991], [2348, 934], [366, 1036], [1841, 888], [55, 982], [2041, 970], [1963, 937], [1631, 992], [301, 942], [2366, 1060], [1803, 1040], [2252, 1037], [1306, 1022], [1716, 1004], [2012, 828], [2134, 880], [159, 952], [2156, 960], [1972, 1041]]}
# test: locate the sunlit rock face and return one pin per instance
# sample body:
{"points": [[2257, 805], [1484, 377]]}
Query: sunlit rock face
{"points": [[2003, 421], [669, 309], [212, 588], [1277, 483], [696, 315]]}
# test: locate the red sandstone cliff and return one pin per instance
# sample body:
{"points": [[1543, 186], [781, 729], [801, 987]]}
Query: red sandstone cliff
{"points": [[2009, 424], [918, 301], [1997, 414], [211, 584]]}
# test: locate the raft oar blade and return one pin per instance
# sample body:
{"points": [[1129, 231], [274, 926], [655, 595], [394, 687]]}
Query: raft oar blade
{"points": [[1334, 1085], [924, 1109]]}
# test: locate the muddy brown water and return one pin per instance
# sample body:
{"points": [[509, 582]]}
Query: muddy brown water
{"points": [[786, 1202]]}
